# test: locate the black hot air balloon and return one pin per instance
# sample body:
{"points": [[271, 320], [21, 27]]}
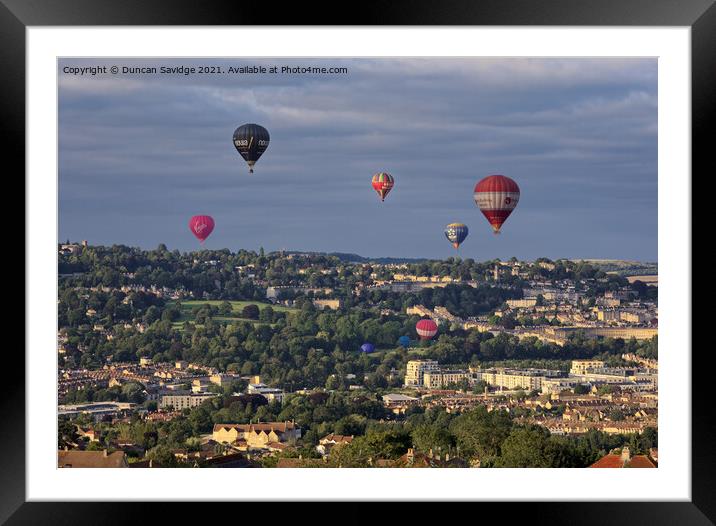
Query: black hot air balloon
{"points": [[251, 141]]}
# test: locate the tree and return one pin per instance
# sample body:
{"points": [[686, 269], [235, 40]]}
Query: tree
{"points": [[479, 433], [251, 312], [153, 313], [426, 437], [163, 455], [133, 392], [533, 447], [581, 389]]}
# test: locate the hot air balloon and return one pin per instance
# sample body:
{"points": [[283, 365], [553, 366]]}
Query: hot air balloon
{"points": [[201, 227], [496, 196], [404, 341], [456, 233], [383, 183], [426, 328], [367, 348], [251, 141]]}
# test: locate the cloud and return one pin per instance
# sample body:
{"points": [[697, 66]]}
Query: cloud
{"points": [[579, 135]]}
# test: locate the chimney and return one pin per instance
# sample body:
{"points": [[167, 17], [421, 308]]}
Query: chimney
{"points": [[430, 453], [104, 452], [411, 454], [626, 454]]}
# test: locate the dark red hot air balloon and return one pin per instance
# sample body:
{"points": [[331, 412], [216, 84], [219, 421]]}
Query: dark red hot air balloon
{"points": [[201, 227], [426, 329]]}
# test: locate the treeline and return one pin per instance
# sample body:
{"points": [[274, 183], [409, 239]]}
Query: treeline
{"points": [[492, 438], [488, 439], [462, 300], [312, 348]]}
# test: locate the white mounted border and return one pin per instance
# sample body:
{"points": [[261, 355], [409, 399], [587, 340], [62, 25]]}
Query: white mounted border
{"points": [[671, 481]]}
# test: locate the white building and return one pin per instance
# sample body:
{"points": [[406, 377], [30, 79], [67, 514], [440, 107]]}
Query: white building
{"points": [[416, 369], [270, 393]]}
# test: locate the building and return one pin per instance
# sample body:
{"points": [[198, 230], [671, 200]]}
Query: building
{"points": [[522, 304], [584, 366], [329, 442], [635, 316], [442, 378], [557, 385], [528, 379], [327, 304], [416, 369], [442, 314], [399, 403], [414, 459], [646, 362], [221, 379], [199, 385], [270, 393], [559, 335], [272, 293], [96, 409], [256, 435], [183, 399], [624, 459], [608, 315], [91, 459], [419, 310]]}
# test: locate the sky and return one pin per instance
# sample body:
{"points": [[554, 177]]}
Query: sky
{"points": [[139, 154]]}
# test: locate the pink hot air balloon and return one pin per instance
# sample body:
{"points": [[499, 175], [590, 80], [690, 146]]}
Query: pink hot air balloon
{"points": [[426, 328], [201, 227]]}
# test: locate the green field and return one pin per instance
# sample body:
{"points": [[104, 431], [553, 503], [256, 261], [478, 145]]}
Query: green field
{"points": [[236, 308]]}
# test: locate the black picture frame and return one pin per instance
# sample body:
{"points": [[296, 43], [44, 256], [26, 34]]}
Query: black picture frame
{"points": [[699, 15]]}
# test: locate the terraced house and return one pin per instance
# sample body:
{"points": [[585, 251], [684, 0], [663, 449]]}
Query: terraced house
{"points": [[260, 435]]}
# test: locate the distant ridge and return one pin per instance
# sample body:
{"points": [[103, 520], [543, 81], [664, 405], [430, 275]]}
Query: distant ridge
{"points": [[622, 267], [355, 258]]}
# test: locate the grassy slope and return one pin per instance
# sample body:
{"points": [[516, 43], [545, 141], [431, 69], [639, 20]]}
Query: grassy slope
{"points": [[236, 308]]}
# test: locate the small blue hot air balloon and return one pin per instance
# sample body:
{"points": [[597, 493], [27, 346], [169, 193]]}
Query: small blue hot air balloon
{"points": [[367, 348], [404, 341], [456, 233]]}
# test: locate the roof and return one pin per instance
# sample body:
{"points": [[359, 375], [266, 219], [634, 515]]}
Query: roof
{"points": [[277, 445], [145, 464], [280, 427], [337, 438], [615, 461], [299, 463], [91, 459], [394, 397], [609, 461], [232, 460], [640, 461]]}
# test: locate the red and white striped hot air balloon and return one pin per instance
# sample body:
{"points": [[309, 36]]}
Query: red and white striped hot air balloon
{"points": [[496, 196], [426, 329]]}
